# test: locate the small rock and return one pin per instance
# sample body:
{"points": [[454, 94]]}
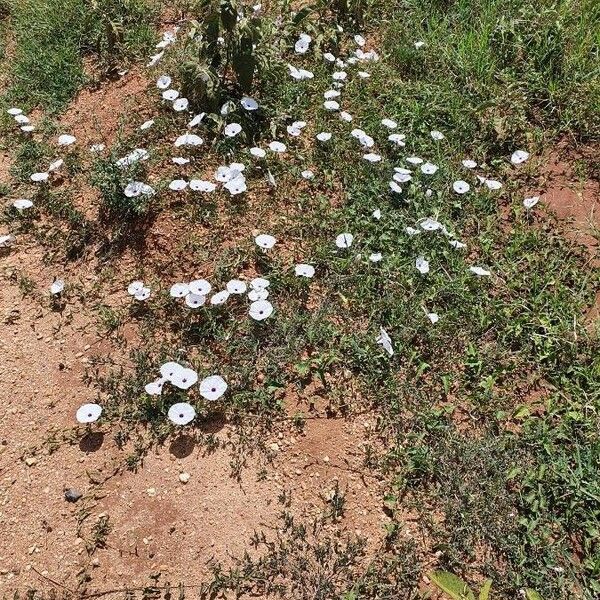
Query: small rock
{"points": [[30, 461], [274, 447], [184, 477], [72, 495]]}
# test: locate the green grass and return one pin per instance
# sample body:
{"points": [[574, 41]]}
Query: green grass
{"points": [[54, 38]]}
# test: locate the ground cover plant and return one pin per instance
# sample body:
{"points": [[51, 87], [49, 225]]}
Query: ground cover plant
{"points": [[312, 212]]}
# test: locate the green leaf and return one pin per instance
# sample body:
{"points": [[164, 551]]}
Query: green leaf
{"points": [[484, 593], [244, 63], [454, 586], [532, 594]]}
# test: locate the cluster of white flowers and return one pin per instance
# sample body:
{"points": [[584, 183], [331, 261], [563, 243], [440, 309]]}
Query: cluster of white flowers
{"points": [[378, 147]]}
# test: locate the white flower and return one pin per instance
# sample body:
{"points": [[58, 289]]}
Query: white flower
{"points": [[437, 135], [419, 45], [300, 74], [480, 271], [154, 388], [339, 76], [402, 175], [518, 157], [301, 47], [155, 58], [461, 187], [383, 339], [260, 310], [21, 119], [88, 413], [200, 287], [213, 387], [58, 285], [395, 187], [331, 105], [196, 120], [531, 202], [179, 290], [199, 185], [256, 295], [360, 40], [331, 94], [143, 294], [228, 107], [27, 128], [469, 164], [324, 136], [258, 152], [163, 82], [178, 184], [169, 369], [219, 298], [372, 157], [364, 75], [181, 413], [375, 257], [456, 244], [137, 188], [397, 138], [39, 177], [411, 230], [236, 286], [146, 125], [170, 95], [345, 116], [188, 139], [236, 186], [6, 241], [184, 378], [232, 129], [135, 287], [329, 57], [428, 168], [492, 184], [277, 147], [14, 111], [414, 160], [344, 240], [195, 300], [180, 104], [294, 131], [422, 265], [389, 123], [249, 103], [307, 174], [22, 204], [259, 283], [265, 241], [430, 224], [433, 317], [66, 139], [133, 157], [180, 160], [304, 270], [377, 214]]}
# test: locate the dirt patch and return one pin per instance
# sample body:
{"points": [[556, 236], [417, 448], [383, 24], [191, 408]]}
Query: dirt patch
{"points": [[574, 197], [100, 115]]}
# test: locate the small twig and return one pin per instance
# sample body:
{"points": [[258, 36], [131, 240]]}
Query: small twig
{"points": [[53, 581]]}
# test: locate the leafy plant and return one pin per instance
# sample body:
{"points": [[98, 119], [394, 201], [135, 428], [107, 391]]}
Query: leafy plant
{"points": [[221, 51], [458, 589]]}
